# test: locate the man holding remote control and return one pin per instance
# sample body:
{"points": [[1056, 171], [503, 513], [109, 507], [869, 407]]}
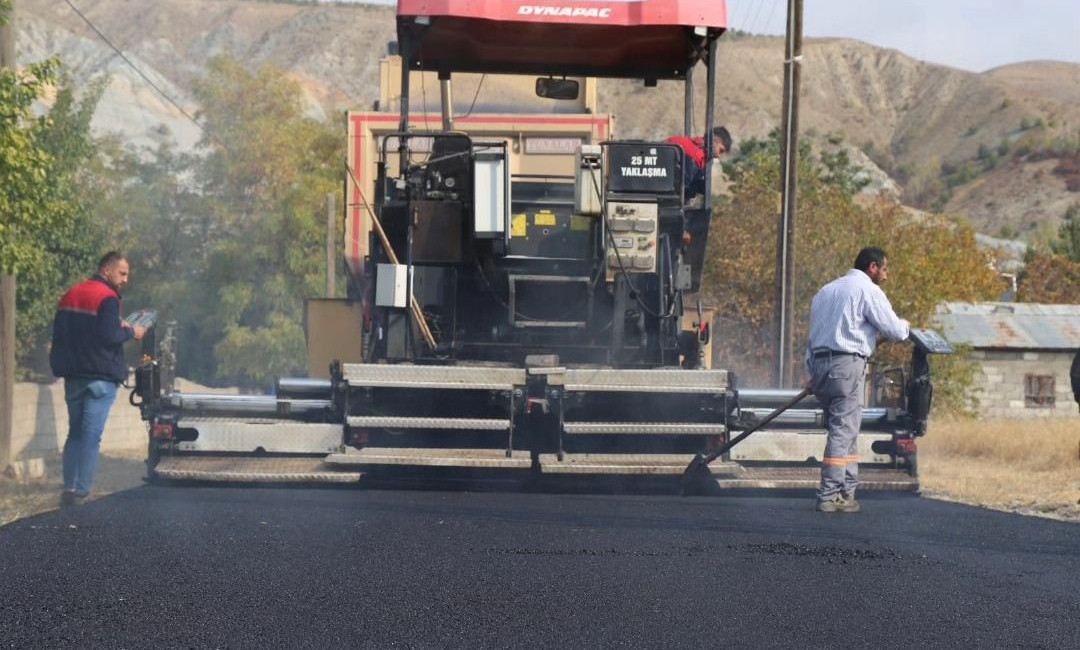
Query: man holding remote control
{"points": [[88, 352]]}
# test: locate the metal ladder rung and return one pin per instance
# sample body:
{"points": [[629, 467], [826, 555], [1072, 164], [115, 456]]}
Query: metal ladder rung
{"points": [[643, 428], [394, 422]]}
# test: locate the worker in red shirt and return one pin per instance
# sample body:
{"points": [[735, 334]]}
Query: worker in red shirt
{"points": [[697, 220], [694, 152], [88, 352]]}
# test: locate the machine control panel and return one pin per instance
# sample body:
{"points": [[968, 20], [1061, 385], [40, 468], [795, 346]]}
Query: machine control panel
{"points": [[631, 242], [930, 341]]}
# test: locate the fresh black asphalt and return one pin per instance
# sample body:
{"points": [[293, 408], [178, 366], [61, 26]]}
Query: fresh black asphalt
{"points": [[245, 567]]}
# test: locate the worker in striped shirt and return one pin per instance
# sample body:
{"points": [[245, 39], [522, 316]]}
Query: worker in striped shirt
{"points": [[846, 317]]}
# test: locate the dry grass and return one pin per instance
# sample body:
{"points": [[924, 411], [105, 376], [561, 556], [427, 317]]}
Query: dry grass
{"points": [[1028, 466]]}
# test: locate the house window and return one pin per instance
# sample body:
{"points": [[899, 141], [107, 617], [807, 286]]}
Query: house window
{"points": [[1039, 391]]}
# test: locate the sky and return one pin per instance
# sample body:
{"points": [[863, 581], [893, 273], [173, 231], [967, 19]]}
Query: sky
{"points": [[974, 35]]}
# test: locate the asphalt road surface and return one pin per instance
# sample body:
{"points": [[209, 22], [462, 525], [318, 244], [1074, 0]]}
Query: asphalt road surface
{"points": [[228, 567]]}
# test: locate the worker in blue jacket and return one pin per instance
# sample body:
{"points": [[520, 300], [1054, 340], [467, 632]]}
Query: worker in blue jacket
{"points": [[88, 352]]}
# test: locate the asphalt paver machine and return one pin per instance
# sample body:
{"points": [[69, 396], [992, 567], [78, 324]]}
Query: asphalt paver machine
{"points": [[508, 319]]}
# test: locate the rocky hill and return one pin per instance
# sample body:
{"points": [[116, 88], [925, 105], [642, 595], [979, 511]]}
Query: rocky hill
{"points": [[990, 146]]}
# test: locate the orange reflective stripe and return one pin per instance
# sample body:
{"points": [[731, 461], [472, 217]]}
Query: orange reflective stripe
{"points": [[852, 459], [834, 461]]}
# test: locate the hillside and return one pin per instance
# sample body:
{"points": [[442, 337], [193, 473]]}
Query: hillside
{"points": [[918, 122]]}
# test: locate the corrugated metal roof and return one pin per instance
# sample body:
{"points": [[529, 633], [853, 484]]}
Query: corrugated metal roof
{"points": [[1010, 325]]}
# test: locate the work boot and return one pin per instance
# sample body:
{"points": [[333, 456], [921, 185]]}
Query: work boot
{"points": [[835, 503], [71, 498], [850, 504]]}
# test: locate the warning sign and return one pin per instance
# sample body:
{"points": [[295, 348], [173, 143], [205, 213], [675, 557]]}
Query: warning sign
{"points": [[634, 167]]}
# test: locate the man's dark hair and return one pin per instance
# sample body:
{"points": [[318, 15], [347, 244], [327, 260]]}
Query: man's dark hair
{"points": [[867, 256], [725, 137], [110, 258]]}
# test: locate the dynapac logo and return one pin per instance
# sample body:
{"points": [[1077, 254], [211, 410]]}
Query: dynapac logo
{"points": [[564, 12]]}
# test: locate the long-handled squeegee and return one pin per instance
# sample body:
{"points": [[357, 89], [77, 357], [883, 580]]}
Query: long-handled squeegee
{"points": [[697, 479]]}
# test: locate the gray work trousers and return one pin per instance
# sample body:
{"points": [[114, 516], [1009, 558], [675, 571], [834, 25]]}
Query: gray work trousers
{"points": [[837, 381]]}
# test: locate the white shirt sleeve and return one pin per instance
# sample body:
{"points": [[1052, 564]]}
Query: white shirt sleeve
{"points": [[880, 314]]}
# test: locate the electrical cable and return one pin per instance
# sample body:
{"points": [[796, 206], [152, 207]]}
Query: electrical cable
{"points": [[757, 13], [618, 258], [133, 66], [768, 20], [477, 94]]}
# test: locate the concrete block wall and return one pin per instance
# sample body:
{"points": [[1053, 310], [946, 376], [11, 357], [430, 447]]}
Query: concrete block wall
{"points": [[40, 422], [1000, 381]]}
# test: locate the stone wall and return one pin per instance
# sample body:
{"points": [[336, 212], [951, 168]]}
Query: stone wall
{"points": [[40, 422], [1001, 383]]}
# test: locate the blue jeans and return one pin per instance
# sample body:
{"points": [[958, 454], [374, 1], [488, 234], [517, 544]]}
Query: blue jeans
{"points": [[88, 403]]}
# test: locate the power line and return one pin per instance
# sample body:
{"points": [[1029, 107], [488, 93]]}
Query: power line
{"points": [[750, 7], [478, 86], [768, 20], [133, 66], [757, 14]]}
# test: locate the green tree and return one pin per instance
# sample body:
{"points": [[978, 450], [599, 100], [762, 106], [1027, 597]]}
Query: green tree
{"points": [[165, 225], [24, 172], [69, 243], [44, 234], [1068, 235], [932, 259], [265, 179]]}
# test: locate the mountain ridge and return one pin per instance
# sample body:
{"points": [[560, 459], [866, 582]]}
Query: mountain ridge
{"points": [[914, 120]]}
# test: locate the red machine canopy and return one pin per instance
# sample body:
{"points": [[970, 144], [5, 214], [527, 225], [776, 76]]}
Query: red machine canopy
{"points": [[649, 39]]}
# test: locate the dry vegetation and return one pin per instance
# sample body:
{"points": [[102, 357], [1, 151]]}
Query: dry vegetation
{"points": [[1027, 466]]}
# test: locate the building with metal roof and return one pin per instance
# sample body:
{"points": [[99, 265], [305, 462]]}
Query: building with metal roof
{"points": [[1024, 352]]}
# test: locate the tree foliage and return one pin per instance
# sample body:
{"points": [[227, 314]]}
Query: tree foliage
{"points": [[931, 259], [68, 241], [1050, 279], [24, 166], [230, 243], [46, 237], [1051, 272], [1068, 235], [266, 179]]}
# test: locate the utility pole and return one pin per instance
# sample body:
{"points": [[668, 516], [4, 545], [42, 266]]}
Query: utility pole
{"points": [[331, 235], [7, 290], [789, 155]]}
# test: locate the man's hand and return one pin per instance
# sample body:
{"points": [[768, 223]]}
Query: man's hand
{"points": [[140, 332]]}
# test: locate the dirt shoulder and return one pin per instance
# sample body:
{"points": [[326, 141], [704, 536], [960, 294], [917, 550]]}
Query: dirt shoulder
{"points": [[117, 470], [1030, 467]]}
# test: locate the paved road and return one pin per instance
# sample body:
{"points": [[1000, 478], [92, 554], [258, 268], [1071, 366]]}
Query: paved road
{"points": [[271, 567]]}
